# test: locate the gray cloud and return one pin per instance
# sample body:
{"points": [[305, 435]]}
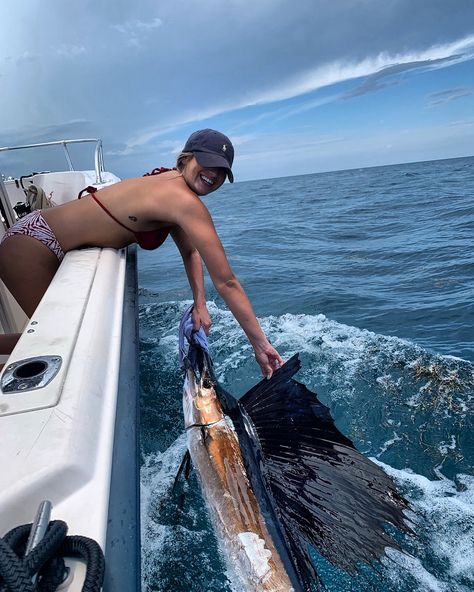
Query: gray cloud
{"points": [[376, 81], [448, 95], [26, 57], [48, 158], [162, 66], [135, 31], [70, 51], [44, 133]]}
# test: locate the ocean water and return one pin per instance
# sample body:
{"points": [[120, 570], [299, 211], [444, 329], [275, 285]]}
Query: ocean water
{"points": [[369, 274]]}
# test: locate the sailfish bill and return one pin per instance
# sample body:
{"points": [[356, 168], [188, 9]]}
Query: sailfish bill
{"points": [[279, 478]]}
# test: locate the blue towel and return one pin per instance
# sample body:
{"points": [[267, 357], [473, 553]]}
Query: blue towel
{"points": [[196, 340]]}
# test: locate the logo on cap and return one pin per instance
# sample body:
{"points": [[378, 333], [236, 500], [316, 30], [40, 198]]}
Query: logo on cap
{"points": [[224, 147]]}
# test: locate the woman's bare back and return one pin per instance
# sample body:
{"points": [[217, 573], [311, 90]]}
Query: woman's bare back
{"points": [[140, 204]]}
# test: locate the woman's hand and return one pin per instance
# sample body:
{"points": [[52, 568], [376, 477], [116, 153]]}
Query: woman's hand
{"points": [[201, 318], [267, 358]]}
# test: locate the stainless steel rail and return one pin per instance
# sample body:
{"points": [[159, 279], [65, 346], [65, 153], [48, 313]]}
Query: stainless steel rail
{"points": [[98, 155]]}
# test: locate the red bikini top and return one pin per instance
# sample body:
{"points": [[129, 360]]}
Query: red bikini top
{"points": [[146, 239]]}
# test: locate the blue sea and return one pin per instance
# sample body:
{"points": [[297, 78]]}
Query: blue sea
{"points": [[369, 274]]}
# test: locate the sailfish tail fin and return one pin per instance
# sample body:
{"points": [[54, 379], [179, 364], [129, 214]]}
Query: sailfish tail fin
{"points": [[324, 492]]}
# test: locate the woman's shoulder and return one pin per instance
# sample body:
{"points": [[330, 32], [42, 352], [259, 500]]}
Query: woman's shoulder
{"points": [[164, 197], [170, 183], [168, 189]]}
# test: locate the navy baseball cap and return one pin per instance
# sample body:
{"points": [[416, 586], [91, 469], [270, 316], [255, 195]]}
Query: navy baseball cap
{"points": [[212, 149]]}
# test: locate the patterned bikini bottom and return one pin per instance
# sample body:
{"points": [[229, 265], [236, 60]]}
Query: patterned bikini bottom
{"points": [[36, 226]]}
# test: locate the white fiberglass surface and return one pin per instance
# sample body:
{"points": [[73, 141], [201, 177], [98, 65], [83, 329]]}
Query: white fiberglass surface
{"points": [[57, 441]]}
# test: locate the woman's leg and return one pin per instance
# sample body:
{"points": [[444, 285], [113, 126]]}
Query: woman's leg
{"points": [[27, 267]]}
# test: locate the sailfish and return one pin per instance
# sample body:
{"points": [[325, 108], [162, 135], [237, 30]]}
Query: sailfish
{"points": [[279, 478]]}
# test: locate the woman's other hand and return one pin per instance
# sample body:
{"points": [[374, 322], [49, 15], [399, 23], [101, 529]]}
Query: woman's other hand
{"points": [[201, 318], [267, 358]]}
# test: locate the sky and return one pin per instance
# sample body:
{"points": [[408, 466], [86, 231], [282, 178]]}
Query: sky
{"points": [[299, 87]]}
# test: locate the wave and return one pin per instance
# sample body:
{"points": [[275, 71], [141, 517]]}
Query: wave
{"points": [[179, 550], [409, 408]]}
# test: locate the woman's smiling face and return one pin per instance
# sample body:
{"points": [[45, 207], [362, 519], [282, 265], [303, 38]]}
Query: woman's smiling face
{"points": [[202, 180]]}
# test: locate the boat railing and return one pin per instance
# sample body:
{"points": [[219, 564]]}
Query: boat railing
{"points": [[98, 155]]}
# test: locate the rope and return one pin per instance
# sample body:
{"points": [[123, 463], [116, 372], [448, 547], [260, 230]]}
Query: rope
{"points": [[43, 569]]}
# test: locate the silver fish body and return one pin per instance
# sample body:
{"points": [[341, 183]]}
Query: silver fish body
{"points": [[253, 562]]}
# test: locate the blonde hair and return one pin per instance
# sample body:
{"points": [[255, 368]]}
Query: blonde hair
{"points": [[181, 160]]}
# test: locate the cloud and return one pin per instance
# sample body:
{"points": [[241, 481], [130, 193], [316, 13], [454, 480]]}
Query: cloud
{"points": [[462, 123], [148, 135], [307, 106], [25, 57], [292, 145], [309, 153], [20, 162], [135, 26], [135, 30], [446, 96], [375, 82], [373, 69], [43, 133], [250, 67], [340, 71], [70, 51]]}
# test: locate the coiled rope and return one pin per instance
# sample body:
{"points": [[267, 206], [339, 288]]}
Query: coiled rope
{"points": [[43, 569]]}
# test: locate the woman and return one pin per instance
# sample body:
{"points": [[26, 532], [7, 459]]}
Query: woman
{"points": [[143, 210]]}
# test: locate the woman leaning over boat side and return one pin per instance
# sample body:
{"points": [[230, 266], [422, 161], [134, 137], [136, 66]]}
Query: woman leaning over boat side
{"points": [[143, 210]]}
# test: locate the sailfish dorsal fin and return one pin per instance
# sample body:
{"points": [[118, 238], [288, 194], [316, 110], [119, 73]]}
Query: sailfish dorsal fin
{"points": [[324, 492]]}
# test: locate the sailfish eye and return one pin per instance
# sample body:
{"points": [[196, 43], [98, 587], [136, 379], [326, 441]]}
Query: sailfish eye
{"points": [[207, 383]]}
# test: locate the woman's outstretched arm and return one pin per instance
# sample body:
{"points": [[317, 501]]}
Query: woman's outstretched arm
{"points": [[196, 222], [193, 266], [236, 299]]}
